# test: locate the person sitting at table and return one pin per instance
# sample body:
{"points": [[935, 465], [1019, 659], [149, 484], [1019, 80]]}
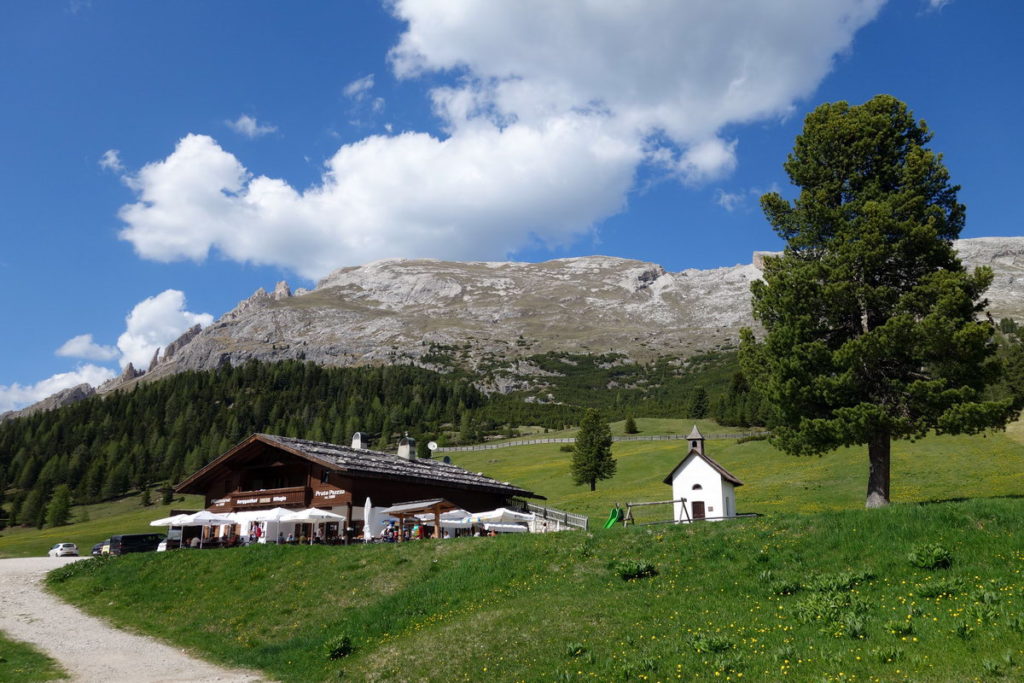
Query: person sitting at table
{"points": [[194, 543]]}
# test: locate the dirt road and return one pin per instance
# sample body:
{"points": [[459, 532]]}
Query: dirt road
{"points": [[88, 648]]}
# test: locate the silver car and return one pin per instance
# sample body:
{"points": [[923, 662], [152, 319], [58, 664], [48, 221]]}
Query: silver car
{"points": [[64, 550]]}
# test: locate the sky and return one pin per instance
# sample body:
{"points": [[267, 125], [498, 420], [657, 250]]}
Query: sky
{"points": [[161, 161]]}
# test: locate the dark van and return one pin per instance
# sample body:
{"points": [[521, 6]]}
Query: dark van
{"points": [[133, 543]]}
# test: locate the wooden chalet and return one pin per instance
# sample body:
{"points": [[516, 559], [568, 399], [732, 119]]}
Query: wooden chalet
{"points": [[266, 471]]}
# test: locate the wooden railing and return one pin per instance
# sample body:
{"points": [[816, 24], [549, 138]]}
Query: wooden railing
{"points": [[570, 519]]}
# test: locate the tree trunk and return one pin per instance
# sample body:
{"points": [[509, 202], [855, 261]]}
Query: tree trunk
{"points": [[879, 448], [593, 484]]}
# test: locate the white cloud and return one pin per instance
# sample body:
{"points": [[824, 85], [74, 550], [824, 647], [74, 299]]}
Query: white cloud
{"points": [[551, 109], [154, 323], [936, 5], [83, 346], [729, 201], [249, 127], [359, 88], [111, 161], [16, 396]]}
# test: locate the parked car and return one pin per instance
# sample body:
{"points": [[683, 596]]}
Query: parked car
{"points": [[97, 549], [132, 543], [64, 550]]}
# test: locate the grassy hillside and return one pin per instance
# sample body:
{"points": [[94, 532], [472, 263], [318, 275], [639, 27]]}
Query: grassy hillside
{"points": [[935, 468], [22, 663], [123, 516], [829, 596]]}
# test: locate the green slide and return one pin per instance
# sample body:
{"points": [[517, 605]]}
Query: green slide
{"points": [[614, 518]]}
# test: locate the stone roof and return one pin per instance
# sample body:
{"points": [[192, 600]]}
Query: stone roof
{"points": [[361, 461]]}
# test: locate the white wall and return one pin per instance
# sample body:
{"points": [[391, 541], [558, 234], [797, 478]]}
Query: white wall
{"points": [[714, 489]]}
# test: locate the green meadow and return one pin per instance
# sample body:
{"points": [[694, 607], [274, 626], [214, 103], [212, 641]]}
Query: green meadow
{"points": [[934, 468], [816, 589], [918, 592], [22, 663]]}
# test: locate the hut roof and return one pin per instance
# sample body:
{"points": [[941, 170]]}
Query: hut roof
{"points": [[367, 463]]}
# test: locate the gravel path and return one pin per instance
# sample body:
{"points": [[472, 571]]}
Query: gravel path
{"points": [[88, 648]]}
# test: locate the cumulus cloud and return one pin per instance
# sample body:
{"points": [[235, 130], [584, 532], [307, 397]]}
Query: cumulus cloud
{"points": [[111, 161], [549, 110], [359, 88], [16, 396], [83, 346], [154, 323], [249, 127]]}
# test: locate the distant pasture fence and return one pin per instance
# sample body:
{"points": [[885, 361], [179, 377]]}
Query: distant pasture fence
{"points": [[570, 439]]}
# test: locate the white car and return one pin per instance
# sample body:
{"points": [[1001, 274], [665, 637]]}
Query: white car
{"points": [[64, 550]]}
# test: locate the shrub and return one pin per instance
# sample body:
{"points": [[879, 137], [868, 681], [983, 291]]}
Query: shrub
{"points": [[930, 556], [937, 587], [887, 655], [575, 650], [565, 448], [633, 569], [841, 581], [338, 648], [899, 628], [705, 642], [830, 606], [784, 587]]}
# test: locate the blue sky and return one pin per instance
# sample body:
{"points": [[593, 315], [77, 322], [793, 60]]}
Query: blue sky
{"points": [[160, 161]]}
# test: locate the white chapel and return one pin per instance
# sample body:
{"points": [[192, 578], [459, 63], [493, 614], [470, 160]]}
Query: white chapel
{"points": [[701, 488]]}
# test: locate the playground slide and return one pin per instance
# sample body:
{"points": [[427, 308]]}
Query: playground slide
{"points": [[614, 518]]}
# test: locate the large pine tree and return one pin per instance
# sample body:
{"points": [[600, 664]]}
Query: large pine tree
{"points": [[873, 328]]}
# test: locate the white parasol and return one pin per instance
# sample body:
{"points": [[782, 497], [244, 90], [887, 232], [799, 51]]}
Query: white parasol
{"points": [[314, 516]]}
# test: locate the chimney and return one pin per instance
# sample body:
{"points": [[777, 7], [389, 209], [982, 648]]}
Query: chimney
{"points": [[407, 447], [359, 440]]}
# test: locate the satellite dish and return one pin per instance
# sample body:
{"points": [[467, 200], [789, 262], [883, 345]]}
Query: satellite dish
{"points": [[432, 445]]}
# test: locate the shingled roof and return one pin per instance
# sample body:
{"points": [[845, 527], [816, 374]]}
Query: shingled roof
{"points": [[367, 463], [726, 474]]}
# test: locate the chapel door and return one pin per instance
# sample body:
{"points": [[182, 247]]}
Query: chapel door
{"points": [[698, 509]]}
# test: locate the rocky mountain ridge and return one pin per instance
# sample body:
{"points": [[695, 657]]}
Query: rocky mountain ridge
{"points": [[491, 317]]}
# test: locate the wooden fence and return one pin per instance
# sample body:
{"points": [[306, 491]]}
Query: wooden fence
{"points": [[570, 439], [560, 516]]}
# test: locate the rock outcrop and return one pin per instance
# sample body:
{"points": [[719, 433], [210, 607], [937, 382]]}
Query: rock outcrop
{"points": [[58, 400]]}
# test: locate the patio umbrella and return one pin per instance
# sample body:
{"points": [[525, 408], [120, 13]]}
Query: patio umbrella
{"points": [[368, 521], [501, 516], [205, 518], [314, 516], [274, 515], [171, 522], [175, 520]]}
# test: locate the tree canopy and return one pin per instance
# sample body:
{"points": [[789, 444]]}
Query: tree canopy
{"points": [[873, 326], [592, 453]]}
